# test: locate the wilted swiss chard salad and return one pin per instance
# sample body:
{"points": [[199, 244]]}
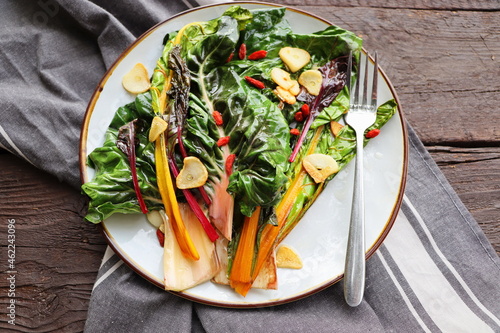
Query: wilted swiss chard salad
{"points": [[228, 143]]}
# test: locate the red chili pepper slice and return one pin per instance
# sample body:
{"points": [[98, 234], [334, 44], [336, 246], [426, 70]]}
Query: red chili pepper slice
{"points": [[223, 141], [254, 82], [257, 55], [373, 133], [299, 116], [230, 57], [305, 110], [294, 131], [217, 118], [242, 53], [229, 164]]}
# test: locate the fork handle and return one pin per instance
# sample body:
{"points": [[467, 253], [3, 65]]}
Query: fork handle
{"points": [[354, 273]]}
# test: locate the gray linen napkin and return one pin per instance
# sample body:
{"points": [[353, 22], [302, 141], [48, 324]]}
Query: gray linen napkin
{"points": [[436, 271]]}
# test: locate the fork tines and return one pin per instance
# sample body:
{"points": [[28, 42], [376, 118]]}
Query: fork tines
{"points": [[355, 96]]}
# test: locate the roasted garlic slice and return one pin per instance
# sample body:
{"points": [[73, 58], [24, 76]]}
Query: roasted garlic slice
{"points": [[294, 58], [158, 126], [295, 89], [136, 81], [286, 257], [320, 166], [285, 95], [193, 174], [155, 218], [335, 127], [311, 80], [282, 78]]}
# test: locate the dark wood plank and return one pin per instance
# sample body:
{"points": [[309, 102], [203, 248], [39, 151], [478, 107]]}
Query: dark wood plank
{"points": [[57, 253], [475, 176], [484, 5]]}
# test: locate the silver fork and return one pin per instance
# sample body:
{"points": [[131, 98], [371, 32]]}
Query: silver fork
{"points": [[361, 115]]}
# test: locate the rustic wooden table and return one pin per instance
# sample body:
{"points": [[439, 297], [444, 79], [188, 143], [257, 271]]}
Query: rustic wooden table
{"points": [[444, 61]]}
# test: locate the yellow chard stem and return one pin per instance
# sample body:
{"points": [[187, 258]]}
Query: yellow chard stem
{"points": [[164, 179], [169, 200]]}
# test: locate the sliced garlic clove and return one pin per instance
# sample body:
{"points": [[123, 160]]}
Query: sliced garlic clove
{"points": [[158, 126], [294, 58], [320, 166], [335, 127], [285, 95], [286, 257], [193, 174], [154, 218], [281, 78], [295, 89], [136, 81], [311, 80]]}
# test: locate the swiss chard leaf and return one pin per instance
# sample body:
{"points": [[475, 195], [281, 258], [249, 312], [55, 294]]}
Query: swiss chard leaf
{"points": [[257, 130], [334, 75], [259, 138], [112, 188], [127, 142]]}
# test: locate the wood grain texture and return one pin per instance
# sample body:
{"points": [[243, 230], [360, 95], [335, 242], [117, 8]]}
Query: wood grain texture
{"points": [[57, 253], [474, 174], [443, 60]]}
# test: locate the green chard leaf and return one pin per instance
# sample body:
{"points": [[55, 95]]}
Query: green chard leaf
{"points": [[112, 190], [251, 121]]}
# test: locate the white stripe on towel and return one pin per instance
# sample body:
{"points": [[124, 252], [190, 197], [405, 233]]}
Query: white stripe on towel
{"points": [[107, 254], [435, 247], [437, 296], [401, 291], [108, 273], [13, 145], [187, 4]]}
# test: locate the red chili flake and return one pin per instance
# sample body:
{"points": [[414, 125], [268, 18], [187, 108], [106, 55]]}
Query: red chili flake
{"points": [[299, 116], [161, 236], [294, 131], [305, 110], [218, 118], [257, 55], [223, 141], [256, 83], [242, 53], [229, 164], [373, 133], [230, 57]]}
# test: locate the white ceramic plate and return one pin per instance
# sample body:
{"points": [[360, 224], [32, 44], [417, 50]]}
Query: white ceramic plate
{"points": [[320, 238]]}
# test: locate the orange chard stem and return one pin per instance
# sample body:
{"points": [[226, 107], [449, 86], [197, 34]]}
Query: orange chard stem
{"points": [[241, 278], [270, 232]]}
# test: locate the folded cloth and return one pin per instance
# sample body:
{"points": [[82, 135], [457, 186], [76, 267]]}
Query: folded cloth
{"points": [[435, 271]]}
